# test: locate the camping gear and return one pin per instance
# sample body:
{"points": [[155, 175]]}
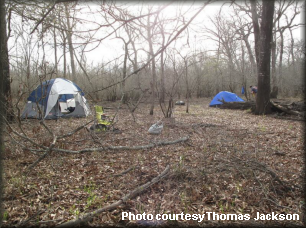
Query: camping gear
{"points": [[70, 109], [156, 128], [180, 103], [102, 121], [224, 96], [242, 90], [45, 101]]}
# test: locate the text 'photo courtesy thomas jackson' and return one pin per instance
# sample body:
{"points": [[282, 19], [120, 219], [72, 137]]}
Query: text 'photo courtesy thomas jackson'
{"points": [[209, 216]]}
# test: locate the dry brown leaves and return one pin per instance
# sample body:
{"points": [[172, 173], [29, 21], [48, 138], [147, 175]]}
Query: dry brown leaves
{"points": [[234, 162]]}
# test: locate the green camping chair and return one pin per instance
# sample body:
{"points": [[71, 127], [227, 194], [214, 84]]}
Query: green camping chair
{"points": [[102, 121]]}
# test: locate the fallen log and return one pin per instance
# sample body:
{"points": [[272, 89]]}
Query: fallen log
{"points": [[252, 105], [286, 110], [142, 147], [238, 105], [89, 216]]}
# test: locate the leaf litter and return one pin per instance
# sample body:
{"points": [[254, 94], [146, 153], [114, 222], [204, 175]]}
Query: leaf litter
{"points": [[233, 162]]}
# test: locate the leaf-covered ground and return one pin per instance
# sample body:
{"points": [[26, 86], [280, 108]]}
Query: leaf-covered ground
{"points": [[234, 162]]}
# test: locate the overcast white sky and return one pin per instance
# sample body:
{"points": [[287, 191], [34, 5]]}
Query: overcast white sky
{"points": [[111, 48]]}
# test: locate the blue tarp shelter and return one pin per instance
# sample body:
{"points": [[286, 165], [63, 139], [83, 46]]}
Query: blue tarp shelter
{"points": [[226, 96]]}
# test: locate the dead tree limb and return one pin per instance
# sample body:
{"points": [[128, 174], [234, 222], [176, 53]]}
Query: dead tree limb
{"points": [[22, 136], [74, 131], [238, 105], [44, 155], [24, 147], [89, 216], [120, 103], [286, 110], [142, 147], [124, 172], [47, 13]]}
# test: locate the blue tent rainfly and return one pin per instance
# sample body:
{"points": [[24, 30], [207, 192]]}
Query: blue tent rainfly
{"points": [[226, 96]]}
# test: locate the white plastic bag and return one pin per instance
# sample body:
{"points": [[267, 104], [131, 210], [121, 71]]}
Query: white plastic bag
{"points": [[156, 128]]}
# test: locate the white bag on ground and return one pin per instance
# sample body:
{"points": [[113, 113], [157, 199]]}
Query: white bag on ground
{"points": [[156, 128]]}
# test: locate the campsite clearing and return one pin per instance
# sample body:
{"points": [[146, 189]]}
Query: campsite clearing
{"points": [[234, 162]]}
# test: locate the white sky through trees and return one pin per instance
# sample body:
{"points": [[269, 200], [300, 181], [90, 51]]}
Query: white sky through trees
{"points": [[89, 16]]}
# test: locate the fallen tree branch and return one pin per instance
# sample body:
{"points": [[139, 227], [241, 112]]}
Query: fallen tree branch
{"points": [[44, 155], [74, 131], [237, 105], [89, 216], [143, 147], [124, 172], [286, 110], [23, 223], [44, 148], [120, 103], [23, 146], [22, 136], [255, 165]]}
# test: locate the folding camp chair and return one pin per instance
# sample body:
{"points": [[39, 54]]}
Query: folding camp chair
{"points": [[102, 121]]}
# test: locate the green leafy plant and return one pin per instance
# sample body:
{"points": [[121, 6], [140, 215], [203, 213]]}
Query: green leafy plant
{"points": [[5, 216], [18, 183], [221, 207], [74, 211]]}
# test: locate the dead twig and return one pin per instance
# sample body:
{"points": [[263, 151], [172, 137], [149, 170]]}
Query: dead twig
{"points": [[24, 137], [74, 131], [23, 223], [143, 147], [44, 155], [286, 110], [112, 121], [124, 172]]}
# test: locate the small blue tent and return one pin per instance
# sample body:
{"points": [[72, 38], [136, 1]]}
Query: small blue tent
{"points": [[226, 96]]}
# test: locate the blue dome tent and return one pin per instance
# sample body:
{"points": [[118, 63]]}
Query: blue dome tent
{"points": [[47, 97], [226, 96]]}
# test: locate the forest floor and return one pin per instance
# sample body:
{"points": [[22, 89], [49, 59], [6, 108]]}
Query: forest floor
{"points": [[234, 162]]}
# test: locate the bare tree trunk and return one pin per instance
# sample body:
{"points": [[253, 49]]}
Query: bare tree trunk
{"points": [[65, 58], [216, 67], [124, 70], [263, 105], [162, 68], [281, 52], [252, 60], [187, 85], [64, 43], [230, 66], [5, 80], [70, 45], [135, 61], [274, 92], [248, 46], [256, 29], [28, 71], [244, 81], [153, 83], [55, 50], [4, 73], [291, 48]]}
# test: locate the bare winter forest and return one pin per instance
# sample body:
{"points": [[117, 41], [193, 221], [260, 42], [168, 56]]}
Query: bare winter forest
{"points": [[151, 62]]}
